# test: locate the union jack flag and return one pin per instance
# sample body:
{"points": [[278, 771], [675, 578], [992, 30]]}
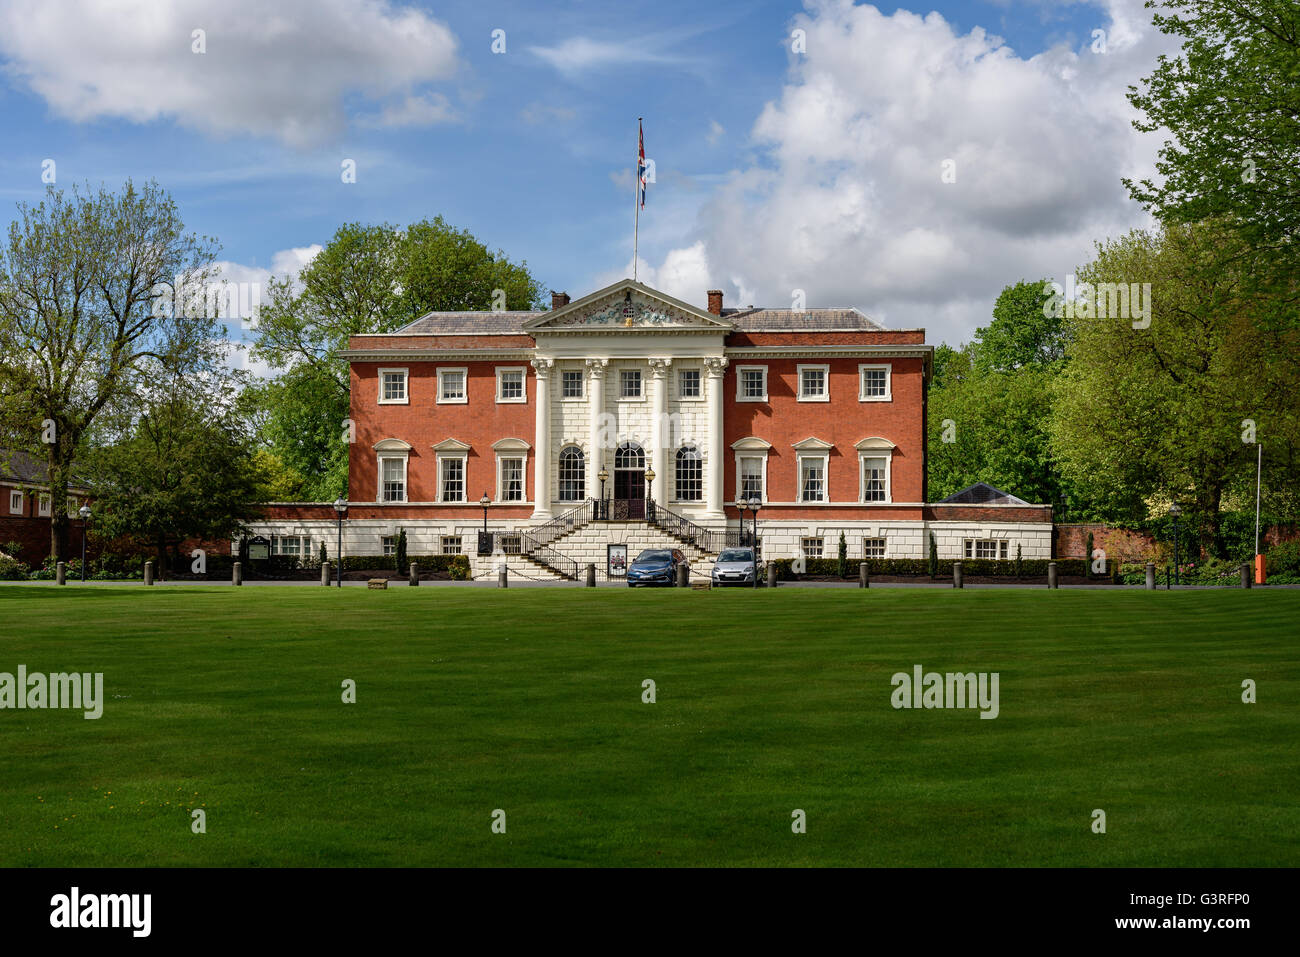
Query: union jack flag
{"points": [[640, 160]]}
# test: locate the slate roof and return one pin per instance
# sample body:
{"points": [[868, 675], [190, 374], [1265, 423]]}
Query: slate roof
{"points": [[461, 323], [809, 320], [16, 466], [981, 493], [745, 320]]}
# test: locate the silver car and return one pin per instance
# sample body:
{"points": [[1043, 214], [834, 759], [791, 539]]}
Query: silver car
{"points": [[735, 566]]}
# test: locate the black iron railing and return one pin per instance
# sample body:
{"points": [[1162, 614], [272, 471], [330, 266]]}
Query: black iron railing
{"points": [[563, 524], [682, 528], [549, 557]]}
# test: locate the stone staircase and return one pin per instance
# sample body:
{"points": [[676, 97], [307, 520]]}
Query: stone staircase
{"points": [[586, 544]]}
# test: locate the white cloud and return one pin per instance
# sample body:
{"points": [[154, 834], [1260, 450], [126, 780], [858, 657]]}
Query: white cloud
{"points": [[578, 55], [281, 70], [849, 204], [413, 111], [535, 114], [715, 132]]}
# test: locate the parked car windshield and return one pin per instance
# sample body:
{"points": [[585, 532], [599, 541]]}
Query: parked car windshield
{"points": [[736, 555], [654, 556]]}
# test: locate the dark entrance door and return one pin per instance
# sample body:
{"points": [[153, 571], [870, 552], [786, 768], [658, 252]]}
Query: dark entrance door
{"points": [[629, 482]]}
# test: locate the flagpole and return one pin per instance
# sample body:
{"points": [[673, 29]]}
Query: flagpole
{"points": [[636, 198]]}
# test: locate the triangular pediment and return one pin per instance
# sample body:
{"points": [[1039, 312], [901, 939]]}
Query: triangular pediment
{"points": [[627, 305]]}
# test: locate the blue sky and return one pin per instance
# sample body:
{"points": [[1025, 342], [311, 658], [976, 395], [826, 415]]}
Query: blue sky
{"points": [[776, 170]]}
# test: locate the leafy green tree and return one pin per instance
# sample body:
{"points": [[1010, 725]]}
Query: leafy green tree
{"points": [[1160, 412], [1021, 333], [88, 292], [184, 468], [368, 279], [1231, 101]]}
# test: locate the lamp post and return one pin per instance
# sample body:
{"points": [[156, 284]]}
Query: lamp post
{"points": [[485, 502], [753, 541], [1174, 511], [84, 512], [341, 510], [603, 475], [649, 478]]}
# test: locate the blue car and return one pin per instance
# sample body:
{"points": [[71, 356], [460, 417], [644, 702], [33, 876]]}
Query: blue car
{"points": [[655, 566]]}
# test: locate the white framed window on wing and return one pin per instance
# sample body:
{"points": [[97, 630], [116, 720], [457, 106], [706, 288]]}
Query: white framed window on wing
{"points": [[814, 383], [512, 479], [296, 546], [510, 384], [875, 479], [811, 546], [392, 471], [388, 544], [812, 478], [998, 548], [451, 545], [873, 383], [43, 505], [751, 383], [393, 387], [571, 384], [15, 502], [873, 548], [451, 478], [750, 477], [452, 388]]}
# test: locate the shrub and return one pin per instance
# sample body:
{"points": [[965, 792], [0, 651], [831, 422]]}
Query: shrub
{"points": [[1020, 563], [12, 570], [934, 558], [12, 549], [1283, 559], [400, 563], [843, 557]]}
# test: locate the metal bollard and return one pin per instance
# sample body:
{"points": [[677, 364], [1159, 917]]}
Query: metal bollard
{"points": [[503, 577], [1151, 576], [325, 574], [1051, 575], [61, 573], [590, 581], [413, 576], [148, 573], [771, 576], [864, 578], [683, 576], [1246, 578], [956, 575], [237, 573]]}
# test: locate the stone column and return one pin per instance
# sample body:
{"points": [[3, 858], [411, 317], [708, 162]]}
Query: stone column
{"points": [[596, 410], [542, 441], [659, 369], [715, 368]]}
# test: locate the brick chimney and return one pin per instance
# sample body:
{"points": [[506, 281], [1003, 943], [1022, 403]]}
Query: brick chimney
{"points": [[559, 299], [715, 301]]}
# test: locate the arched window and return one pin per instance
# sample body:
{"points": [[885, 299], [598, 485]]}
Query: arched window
{"points": [[629, 456], [573, 475], [690, 474]]}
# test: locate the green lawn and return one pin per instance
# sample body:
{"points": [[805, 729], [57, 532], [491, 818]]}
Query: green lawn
{"points": [[529, 700]]}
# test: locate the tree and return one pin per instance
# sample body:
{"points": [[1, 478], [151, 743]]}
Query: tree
{"points": [[1022, 332], [1231, 99], [184, 468], [399, 551], [1170, 411], [368, 279], [89, 287], [843, 556]]}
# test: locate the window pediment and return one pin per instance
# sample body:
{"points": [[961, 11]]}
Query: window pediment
{"points": [[507, 445], [875, 444], [392, 445], [451, 445], [814, 444], [751, 444]]}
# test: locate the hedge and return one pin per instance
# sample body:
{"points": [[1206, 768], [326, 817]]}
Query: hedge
{"points": [[920, 567]]}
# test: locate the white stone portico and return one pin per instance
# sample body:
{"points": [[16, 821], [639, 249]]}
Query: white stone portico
{"points": [[630, 345]]}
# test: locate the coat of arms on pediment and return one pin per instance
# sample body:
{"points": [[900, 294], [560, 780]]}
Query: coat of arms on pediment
{"points": [[627, 306]]}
